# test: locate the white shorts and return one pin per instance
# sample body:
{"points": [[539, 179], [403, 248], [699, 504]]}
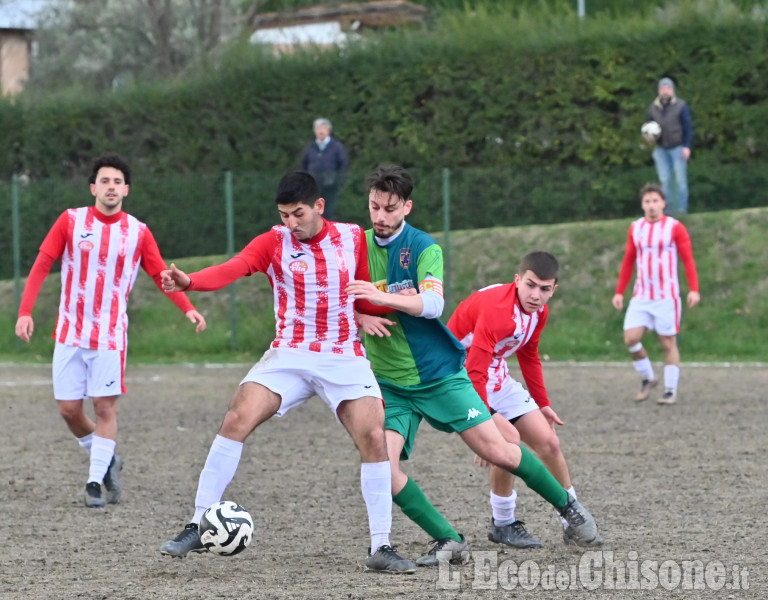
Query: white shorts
{"points": [[663, 316], [297, 375], [512, 400], [81, 372]]}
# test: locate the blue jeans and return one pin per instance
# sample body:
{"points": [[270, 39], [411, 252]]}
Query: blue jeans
{"points": [[669, 161]]}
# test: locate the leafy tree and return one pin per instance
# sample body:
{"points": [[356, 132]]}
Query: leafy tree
{"points": [[108, 43]]}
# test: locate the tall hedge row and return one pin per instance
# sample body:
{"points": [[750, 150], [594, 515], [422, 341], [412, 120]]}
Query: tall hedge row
{"points": [[535, 132]]}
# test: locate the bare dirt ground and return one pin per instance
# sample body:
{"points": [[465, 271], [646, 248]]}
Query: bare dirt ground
{"points": [[667, 485]]}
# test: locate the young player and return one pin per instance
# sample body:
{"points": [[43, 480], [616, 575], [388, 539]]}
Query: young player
{"points": [[493, 324], [653, 245], [419, 366], [101, 248], [316, 350]]}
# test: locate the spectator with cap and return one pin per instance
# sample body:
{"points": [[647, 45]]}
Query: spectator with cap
{"points": [[326, 160], [673, 146]]}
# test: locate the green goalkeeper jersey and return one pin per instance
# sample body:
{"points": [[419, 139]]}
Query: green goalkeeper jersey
{"points": [[420, 350]]}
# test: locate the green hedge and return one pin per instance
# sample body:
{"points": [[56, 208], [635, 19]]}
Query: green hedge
{"points": [[537, 125]]}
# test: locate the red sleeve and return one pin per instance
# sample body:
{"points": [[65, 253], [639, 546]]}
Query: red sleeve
{"points": [[685, 251], [153, 264], [37, 275], [50, 250], [254, 258], [477, 365], [627, 265], [363, 273], [530, 364]]}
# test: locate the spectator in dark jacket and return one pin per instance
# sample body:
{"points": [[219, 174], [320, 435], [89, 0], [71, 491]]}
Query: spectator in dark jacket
{"points": [[326, 159], [673, 147]]}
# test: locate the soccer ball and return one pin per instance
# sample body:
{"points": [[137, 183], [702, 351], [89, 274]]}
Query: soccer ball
{"points": [[651, 130], [226, 528]]}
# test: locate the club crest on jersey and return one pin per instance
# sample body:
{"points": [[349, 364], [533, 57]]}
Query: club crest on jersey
{"points": [[85, 245], [298, 266], [405, 257], [341, 260]]}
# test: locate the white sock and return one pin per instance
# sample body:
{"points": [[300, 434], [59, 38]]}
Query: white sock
{"points": [[102, 451], [572, 492], [85, 442], [671, 377], [376, 483], [504, 508], [644, 367], [220, 466]]}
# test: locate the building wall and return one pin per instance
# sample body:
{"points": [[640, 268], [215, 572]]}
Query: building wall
{"points": [[14, 61]]}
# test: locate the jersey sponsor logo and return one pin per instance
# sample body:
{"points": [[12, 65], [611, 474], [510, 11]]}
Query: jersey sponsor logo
{"points": [[85, 246], [473, 413], [298, 266], [341, 261], [405, 257], [399, 286]]}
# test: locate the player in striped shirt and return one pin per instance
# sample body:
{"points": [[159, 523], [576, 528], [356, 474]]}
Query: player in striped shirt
{"points": [[418, 363], [493, 324], [316, 351], [654, 243], [101, 248]]}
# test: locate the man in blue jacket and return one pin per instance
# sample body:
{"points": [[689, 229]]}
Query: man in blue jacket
{"points": [[326, 160]]}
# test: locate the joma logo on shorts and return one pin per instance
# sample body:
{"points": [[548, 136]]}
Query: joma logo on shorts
{"points": [[472, 413]]}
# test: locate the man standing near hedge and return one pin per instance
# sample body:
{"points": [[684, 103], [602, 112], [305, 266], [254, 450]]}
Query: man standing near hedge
{"points": [[673, 146], [326, 160]]}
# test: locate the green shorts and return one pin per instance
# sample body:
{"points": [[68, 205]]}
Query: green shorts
{"points": [[450, 404]]}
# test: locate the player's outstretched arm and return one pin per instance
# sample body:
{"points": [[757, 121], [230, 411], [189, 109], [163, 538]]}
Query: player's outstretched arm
{"points": [[175, 280], [25, 327], [365, 290]]}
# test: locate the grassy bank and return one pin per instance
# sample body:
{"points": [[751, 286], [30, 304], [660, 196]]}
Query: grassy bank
{"points": [[728, 325]]}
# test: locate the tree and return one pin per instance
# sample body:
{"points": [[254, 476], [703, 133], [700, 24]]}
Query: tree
{"points": [[108, 43]]}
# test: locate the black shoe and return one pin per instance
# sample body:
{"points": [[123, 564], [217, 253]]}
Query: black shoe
{"points": [[184, 543], [112, 480], [514, 535], [93, 498], [386, 560], [446, 549], [582, 529]]}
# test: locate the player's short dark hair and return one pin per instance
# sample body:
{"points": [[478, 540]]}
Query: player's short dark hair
{"points": [[297, 187], [110, 159], [652, 187], [392, 179], [543, 265]]}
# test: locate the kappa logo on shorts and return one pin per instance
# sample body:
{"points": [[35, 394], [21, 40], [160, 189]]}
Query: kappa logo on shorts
{"points": [[472, 413]]}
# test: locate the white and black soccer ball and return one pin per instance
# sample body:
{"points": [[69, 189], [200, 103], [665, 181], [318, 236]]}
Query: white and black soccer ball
{"points": [[651, 130], [226, 528]]}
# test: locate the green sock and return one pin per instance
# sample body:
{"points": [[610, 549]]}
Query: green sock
{"points": [[541, 481], [417, 507]]}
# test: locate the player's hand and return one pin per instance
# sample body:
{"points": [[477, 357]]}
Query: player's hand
{"points": [[618, 301], [408, 292], [374, 325], [551, 417], [196, 317], [693, 299], [175, 280], [25, 327], [365, 290], [686, 153]]}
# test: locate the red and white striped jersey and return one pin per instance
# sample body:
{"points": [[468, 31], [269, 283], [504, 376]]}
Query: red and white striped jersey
{"points": [[100, 257], [653, 248], [492, 326], [312, 309]]}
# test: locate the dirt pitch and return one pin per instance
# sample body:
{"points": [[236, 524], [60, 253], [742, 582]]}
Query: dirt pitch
{"points": [[682, 483]]}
